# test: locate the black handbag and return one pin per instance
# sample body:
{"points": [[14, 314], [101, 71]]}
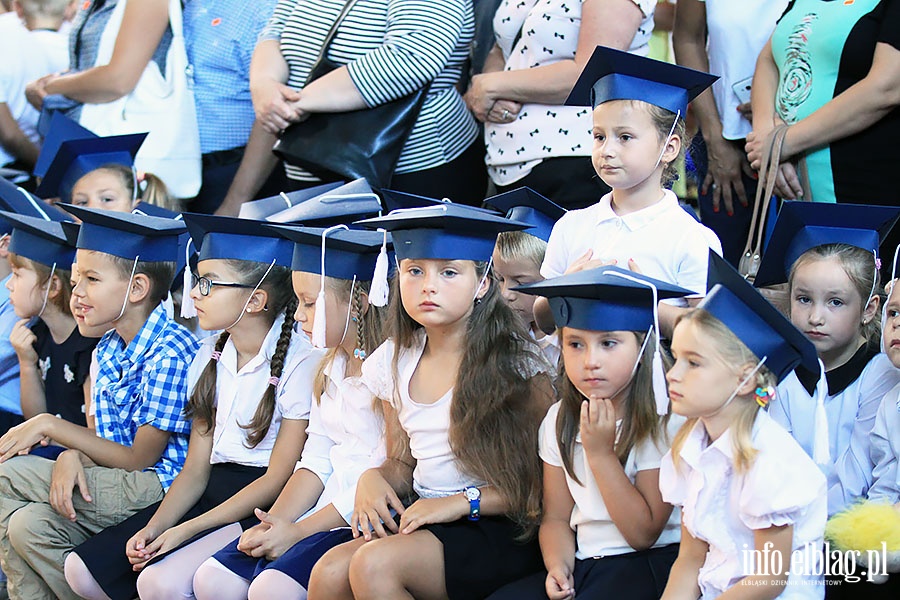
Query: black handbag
{"points": [[364, 143]]}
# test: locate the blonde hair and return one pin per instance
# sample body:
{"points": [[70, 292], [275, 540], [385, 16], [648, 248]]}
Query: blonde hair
{"points": [[663, 120], [733, 352], [515, 245], [44, 8], [859, 265], [64, 275], [639, 423], [151, 189]]}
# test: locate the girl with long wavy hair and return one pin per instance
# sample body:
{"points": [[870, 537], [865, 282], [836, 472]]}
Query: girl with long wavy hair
{"points": [[464, 389], [250, 402]]}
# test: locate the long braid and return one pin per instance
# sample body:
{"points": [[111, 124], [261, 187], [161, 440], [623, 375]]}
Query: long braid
{"points": [[360, 351], [200, 404], [262, 419]]}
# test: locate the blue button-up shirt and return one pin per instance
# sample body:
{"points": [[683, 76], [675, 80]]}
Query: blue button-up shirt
{"points": [[145, 383], [220, 36]]}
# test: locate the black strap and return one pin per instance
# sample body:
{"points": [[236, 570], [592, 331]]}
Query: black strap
{"points": [[331, 33]]}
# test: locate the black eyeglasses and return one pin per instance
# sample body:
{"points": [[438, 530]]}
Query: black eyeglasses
{"points": [[206, 284]]}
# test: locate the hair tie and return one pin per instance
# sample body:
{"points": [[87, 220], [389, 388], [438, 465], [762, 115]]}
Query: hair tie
{"points": [[764, 395], [273, 381], [216, 355], [878, 263]]}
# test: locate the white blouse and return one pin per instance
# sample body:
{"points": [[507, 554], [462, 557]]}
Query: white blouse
{"points": [[238, 393], [596, 533], [344, 438], [723, 508], [851, 416], [885, 449]]}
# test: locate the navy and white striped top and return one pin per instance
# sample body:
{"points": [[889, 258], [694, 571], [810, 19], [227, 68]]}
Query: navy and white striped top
{"points": [[391, 48]]}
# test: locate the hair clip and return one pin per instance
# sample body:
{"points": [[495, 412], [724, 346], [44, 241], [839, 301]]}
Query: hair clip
{"points": [[273, 381], [359, 353], [878, 263], [764, 395], [216, 355]]}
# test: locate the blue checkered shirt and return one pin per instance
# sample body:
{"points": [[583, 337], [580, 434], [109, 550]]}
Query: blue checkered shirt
{"points": [[145, 383], [220, 36]]}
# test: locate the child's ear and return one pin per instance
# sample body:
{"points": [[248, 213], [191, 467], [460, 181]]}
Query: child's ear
{"points": [[672, 149], [55, 286], [140, 288], [871, 309], [749, 386], [4, 246], [259, 301], [483, 289], [363, 303]]}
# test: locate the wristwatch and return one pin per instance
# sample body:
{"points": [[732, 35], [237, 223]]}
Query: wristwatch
{"points": [[473, 495]]}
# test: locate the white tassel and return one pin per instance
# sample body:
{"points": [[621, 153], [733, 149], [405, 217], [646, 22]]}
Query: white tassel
{"points": [[188, 310], [318, 331], [660, 392], [378, 293], [821, 450], [169, 306]]}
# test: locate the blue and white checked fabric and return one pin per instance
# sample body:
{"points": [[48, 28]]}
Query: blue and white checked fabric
{"points": [[220, 36], [145, 383]]}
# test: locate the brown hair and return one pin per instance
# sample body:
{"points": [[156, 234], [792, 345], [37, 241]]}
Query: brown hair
{"points": [[281, 299], [43, 272], [859, 265], [662, 120], [369, 328], [640, 420], [160, 274], [735, 353], [151, 189], [496, 408]]}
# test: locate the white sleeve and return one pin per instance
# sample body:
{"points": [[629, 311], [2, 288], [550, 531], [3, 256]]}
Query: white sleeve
{"points": [[884, 448], [556, 259], [377, 371], [316, 456], [672, 482], [295, 389], [547, 440], [694, 253]]}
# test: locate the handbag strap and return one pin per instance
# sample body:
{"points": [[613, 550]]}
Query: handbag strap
{"points": [[768, 174], [326, 43]]}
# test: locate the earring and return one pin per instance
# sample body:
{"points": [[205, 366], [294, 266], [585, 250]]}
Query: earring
{"points": [[477, 301], [764, 395], [248, 309]]}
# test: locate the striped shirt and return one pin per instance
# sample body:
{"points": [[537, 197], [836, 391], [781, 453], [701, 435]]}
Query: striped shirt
{"points": [[391, 48]]}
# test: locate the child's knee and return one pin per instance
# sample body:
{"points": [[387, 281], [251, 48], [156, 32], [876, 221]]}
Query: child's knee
{"points": [[79, 577], [273, 585], [25, 527], [371, 562], [330, 575], [156, 584], [212, 582]]}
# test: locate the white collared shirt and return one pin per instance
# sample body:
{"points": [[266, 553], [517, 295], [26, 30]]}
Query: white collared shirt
{"points": [[596, 533], [344, 438], [885, 449], [663, 239], [723, 507], [238, 393], [851, 416], [549, 345]]}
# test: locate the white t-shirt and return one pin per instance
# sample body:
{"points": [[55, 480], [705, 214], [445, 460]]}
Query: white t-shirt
{"points": [[596, 533], [549, 31], [663, 239], [723, 508], [238, 394], [737, 33], [344, 438], [29, 56], [851, 416]]}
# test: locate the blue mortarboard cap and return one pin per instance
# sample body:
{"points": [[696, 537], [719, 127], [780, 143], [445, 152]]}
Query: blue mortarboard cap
{"points": [[39, 240], [345, 204], [266, 207], [76, 158], [755, 321], [603, 299], [234, 238], [16, 200], [62, 129], [804, 225], [127, 235], [526, 205], [446, 232], [152, 210], [349, 253], [71, 230], [394, 200], [615, 75]]}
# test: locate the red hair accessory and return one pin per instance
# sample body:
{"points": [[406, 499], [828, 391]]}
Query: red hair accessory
{"points": [[764, 395]]}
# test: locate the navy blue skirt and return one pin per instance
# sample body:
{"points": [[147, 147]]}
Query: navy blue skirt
{"points": [[297, 562]]}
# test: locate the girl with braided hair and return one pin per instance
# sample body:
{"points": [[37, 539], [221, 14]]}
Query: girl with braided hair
{"points": [[273, 559], [251, 389]]}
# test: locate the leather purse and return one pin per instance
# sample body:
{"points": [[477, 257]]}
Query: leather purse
{"points": [[364, 143]]}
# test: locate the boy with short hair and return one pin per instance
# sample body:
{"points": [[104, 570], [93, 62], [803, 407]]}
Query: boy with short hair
{"points": [[126, 264]]}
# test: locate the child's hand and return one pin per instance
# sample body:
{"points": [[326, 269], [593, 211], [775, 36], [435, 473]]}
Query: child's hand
{"points": [[598, 426], [270, 539], [68, 472], [23, 437], [372, 510], [134, 547], [560, 585], [584, 262], [427, 511], [22, 340], [167, 541]]}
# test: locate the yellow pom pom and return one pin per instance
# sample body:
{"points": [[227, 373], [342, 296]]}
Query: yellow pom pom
{"points": [[865, 526]]}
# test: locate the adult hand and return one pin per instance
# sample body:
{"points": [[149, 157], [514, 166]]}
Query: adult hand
{"points": [[427, 511], [559, 585], [746, 111], [787, 182], [272, 102], [723, 178], [372, 509], [479, 98], [270, 539], [36, 91], [22, 340], [504, 111], [598, 426], [67, 474], [23, 437]]}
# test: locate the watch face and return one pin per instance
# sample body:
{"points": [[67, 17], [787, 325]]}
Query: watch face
{"points": [[473, 493]]}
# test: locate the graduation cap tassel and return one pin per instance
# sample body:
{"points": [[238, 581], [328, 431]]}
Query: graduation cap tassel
{"points": [[188, 310], [318, 330], [821, 451], [378, 293]]}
